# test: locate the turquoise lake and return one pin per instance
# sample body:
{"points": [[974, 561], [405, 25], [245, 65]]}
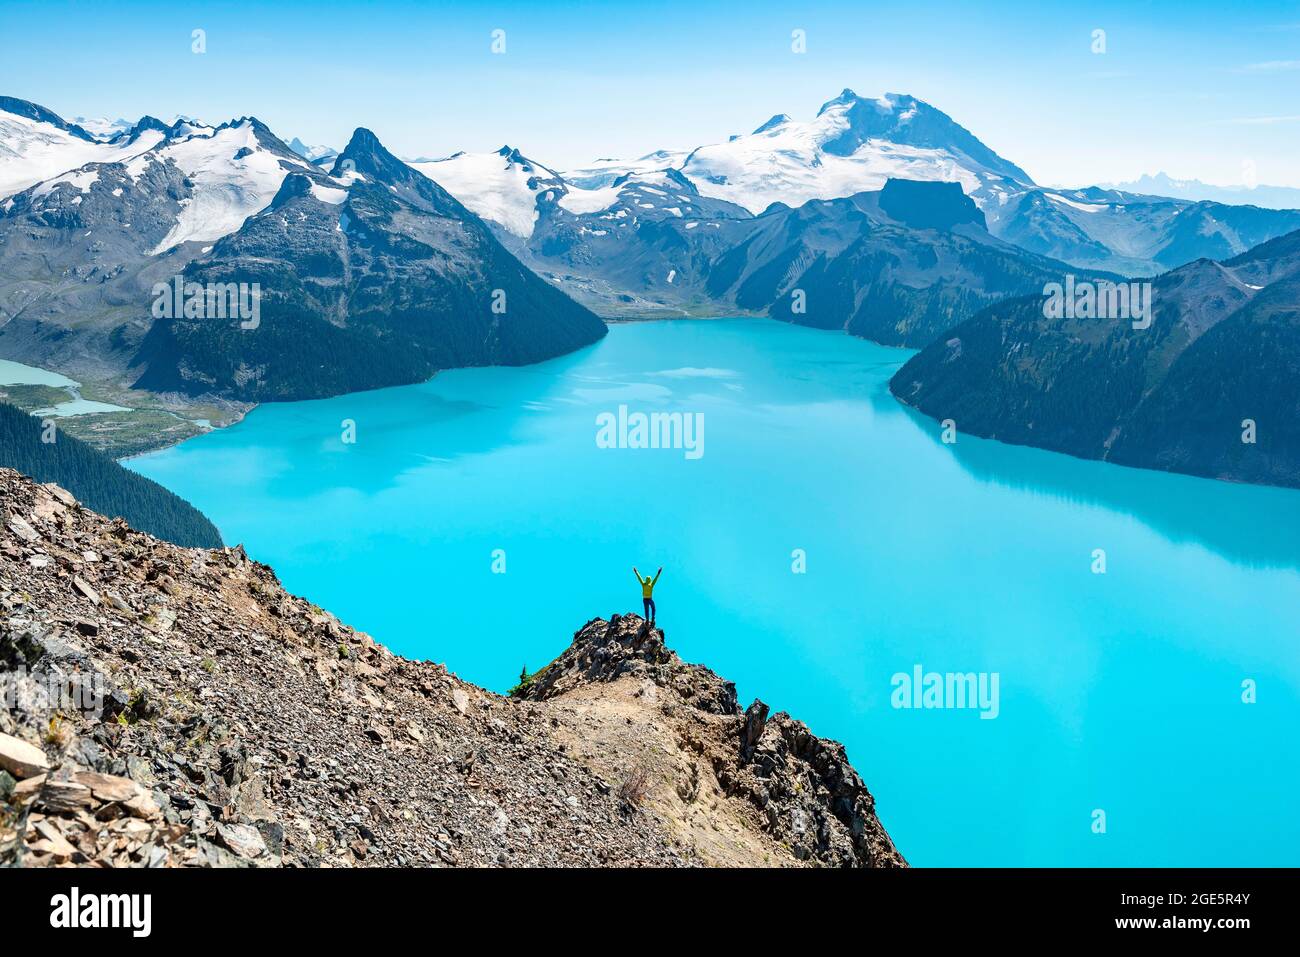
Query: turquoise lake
{"points": [[1120, 692]]}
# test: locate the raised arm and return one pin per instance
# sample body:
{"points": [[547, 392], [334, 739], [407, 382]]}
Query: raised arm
{"points": [[637, 574], [657, 574]]}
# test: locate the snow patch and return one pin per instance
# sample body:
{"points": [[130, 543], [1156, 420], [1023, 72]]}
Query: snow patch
{"points": [[580, 201], [327, 194], [493, 187], [32, 152], [226, 191], [1083, 207], [81, 180]]}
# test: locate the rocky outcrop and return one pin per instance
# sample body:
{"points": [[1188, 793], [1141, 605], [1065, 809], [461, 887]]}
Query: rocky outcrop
{"points": [[810, 799], [627, 646], [176, 707]]}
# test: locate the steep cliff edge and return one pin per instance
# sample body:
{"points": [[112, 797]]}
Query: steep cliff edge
{"points": [[164, 706]]}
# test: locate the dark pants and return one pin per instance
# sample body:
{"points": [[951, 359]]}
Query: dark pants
{"points": [[649, 608]]}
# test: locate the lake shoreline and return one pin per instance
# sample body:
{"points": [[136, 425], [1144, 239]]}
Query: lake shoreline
{"points": [[819, 498], [150, 423]]}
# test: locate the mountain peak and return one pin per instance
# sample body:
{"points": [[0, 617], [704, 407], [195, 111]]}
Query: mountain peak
{"points": [[251, 122], [846, 96], [364, 146], [512, 155], [146, 122], [364, 154], [294, 185], [320, 154], [34, 111], [886, 104], [363, 139], [779, 120], [850, 121]]}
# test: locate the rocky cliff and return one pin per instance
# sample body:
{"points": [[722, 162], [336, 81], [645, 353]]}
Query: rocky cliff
{"points": [[176, 707]]}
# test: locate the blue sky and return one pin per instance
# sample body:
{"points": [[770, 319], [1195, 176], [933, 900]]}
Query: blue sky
{"points": [[1198, 89]]}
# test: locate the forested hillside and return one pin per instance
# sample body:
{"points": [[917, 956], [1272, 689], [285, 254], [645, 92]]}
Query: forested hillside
{"points": [[99, 482]]}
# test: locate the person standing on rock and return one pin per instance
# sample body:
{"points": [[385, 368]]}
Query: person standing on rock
{"points": [[647, 592]]}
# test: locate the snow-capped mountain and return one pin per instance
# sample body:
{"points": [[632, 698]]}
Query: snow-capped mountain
{"points": [[107, 130], [36, 144], [178, 127], [102, 127], [230, 171], [235, 171], [86, 242], [603, 172], [371, 275], [320, 155], [854, 144], [503, 187]]}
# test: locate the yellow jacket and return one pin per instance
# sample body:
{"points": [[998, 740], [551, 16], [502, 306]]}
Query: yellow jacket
{"points": [[647, 583]]}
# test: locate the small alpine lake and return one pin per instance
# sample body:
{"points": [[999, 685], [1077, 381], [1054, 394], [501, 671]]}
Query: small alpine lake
{"points": [[823, 541]]}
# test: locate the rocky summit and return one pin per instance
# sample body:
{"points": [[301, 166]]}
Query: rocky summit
{"points": [[167, 707]]}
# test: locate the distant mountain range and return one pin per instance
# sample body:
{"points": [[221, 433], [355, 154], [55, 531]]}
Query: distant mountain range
{"points": [[855, 144], [370, 275], [898, 265], [320, 155], [1162, 184], [880, 216]]}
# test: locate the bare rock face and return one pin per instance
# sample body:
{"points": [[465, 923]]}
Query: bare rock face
{"points": [[812, 796], [165, 707]]}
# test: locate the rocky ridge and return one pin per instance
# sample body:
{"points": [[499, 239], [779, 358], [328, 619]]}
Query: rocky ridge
{"points": [[171, 707]]}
